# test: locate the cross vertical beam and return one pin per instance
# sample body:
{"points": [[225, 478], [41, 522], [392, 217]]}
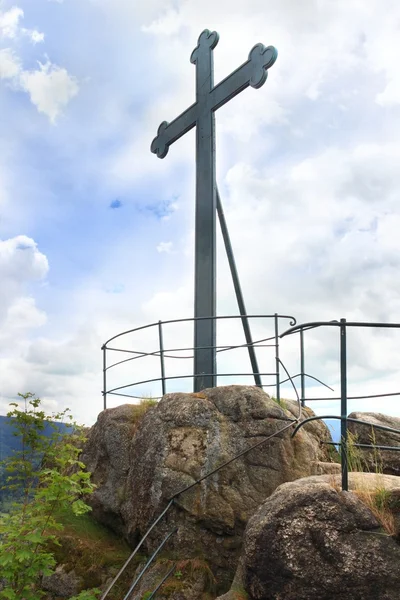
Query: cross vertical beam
{"points": [[205, 363], [201, 115]]}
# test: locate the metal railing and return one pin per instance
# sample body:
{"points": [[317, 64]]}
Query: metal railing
{"points": [[297, 423], [163, 353], [342, 325]]}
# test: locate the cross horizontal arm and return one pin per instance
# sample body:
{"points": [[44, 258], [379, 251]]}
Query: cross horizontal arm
{"points": [[252, 73], [168, 133]]}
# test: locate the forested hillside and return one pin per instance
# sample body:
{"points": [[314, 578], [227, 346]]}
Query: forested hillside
{"points": [[10, 443]]}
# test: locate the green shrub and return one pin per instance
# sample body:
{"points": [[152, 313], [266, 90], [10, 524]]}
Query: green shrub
{"points": [[50, 478]]}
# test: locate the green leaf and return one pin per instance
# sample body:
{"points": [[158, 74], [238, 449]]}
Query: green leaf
{"points": [[32, 524]]}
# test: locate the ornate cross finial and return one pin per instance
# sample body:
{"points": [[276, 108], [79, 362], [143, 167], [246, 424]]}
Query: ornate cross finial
{"points": [[207, 39]]}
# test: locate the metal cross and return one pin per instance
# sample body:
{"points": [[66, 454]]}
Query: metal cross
{"points": [[201, 114]]}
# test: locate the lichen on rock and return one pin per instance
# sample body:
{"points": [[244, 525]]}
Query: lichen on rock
{"points": [[309, 541]]}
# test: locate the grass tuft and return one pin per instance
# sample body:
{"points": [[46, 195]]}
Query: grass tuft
{"points": [[378, 500], [92, 551]]}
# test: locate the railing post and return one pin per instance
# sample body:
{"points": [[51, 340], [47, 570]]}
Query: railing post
{"points": [[162, 364], [277, 363], [104, 377], [302, 374], [343, 405]]}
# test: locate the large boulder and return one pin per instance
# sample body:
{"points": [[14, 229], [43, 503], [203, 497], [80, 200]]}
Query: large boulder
{"points": [[139, 464], [309, 541], [107, 457], [375, 460]]}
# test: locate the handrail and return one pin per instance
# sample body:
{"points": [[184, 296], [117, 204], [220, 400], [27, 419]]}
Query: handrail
{"points": [[190, 319], [382, 427], [163, 580], [122, 387], [212, 472], [354, 397], [314, 324], [184, 352], [297, 423], [146, 566], [371, 446], [219, 349], [135, 551]]}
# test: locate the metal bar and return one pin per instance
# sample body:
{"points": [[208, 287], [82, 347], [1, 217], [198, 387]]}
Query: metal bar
{"points": [[311, 377], [162, 365], [132, 396], [122, 387], [187, 319], [315, 324], [238, 291], [302, 373], [205, 221], [223, 348], [104, 378], [166, 355], [351, 397], [309, 419], [372, 447], [146, 566], [277, 362], [343, 405], [135, 551], [163, 580]]}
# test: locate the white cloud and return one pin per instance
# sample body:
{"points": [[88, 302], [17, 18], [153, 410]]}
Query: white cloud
{"points": [[36, 36], [50, 88], [165, 247], [24, 314], [20, 263], [10, 66], [21, 259], [168, 24], [9, 22], [10, 28]]}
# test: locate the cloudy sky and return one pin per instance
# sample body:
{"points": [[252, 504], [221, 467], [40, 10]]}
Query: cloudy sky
{"points": [[96, 233]]}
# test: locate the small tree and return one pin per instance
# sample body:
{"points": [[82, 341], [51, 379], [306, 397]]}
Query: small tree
{"points": [[46, 478]]}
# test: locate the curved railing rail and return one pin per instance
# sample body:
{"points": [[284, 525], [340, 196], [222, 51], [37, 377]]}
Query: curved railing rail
{"points": [[163, 353], [297, 422]]}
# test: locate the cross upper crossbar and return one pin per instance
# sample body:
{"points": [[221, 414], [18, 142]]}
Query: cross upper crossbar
{"points": [[251, 73]]}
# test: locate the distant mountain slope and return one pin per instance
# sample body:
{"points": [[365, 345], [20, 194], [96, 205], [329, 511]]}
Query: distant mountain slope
{"points": [[10, 443]]}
